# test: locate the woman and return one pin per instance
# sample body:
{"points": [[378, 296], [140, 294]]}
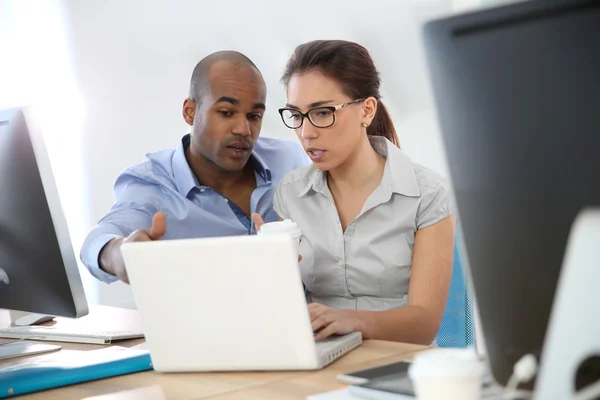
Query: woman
{"points": [[378, 231]]}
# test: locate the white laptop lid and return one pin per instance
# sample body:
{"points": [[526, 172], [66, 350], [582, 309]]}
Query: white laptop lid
{"points": [[219, 304]]}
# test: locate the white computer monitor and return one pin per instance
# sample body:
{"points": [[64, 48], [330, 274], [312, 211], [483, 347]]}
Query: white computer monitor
{"points": [[516, 90], [38, 268]]}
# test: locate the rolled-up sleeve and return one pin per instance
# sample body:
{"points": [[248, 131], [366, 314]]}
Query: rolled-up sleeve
{"points": [[133, 209]]}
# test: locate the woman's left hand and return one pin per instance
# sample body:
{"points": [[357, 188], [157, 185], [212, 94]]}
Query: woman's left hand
{"points": [[327, 321]]}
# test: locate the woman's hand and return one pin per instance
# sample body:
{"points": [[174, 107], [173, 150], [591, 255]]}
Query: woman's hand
{"points": [[327, 321]]}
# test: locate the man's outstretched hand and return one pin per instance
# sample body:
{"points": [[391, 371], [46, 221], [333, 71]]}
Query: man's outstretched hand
{"points": [[111, 259]]}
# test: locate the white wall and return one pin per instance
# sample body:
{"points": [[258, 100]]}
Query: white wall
{"points": [[36, 70], [113, 75], [133, 60], [110, 77]]}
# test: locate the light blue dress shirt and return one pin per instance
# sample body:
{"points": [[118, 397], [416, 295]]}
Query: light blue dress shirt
{"points": [[165, 182]]}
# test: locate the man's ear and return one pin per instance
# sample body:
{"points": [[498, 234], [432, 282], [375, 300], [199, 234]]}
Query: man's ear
{"points": [[188, 111]]}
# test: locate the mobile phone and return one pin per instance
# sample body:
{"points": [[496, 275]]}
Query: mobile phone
{"points": [[364, 375]]}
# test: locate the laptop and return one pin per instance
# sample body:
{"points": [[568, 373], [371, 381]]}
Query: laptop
{"points": [[232, 303]]}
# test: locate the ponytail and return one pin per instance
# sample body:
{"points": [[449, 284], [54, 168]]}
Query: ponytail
{"points": [[382, 125]]}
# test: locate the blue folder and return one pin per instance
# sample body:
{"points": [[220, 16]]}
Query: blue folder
{"points": [[68, 367]]}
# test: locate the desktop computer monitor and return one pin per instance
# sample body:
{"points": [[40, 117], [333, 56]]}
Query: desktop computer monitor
{"points": [[38, 268], [517, 91]]}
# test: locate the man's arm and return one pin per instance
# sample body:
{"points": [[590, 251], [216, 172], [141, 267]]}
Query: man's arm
{"points": [[136, 202], [110, 259]]}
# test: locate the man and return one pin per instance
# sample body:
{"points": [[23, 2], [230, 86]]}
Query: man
{"points": [[210, 185]]}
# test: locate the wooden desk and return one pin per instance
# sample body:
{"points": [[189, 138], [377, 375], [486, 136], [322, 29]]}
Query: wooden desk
{"points": [[151, 385]]}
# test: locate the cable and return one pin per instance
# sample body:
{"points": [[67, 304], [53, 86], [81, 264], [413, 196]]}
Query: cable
{"points": [[523, 371], [590, 392]]}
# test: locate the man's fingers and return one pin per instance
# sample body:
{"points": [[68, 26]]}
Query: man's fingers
{"points": [[159, 226], [299, 257], [258, 221]]}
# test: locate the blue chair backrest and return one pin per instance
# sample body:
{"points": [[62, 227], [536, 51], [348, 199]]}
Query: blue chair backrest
{"points": [[458, 324]]}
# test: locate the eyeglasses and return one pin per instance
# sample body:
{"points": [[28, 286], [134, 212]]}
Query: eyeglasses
{"points": [[320, 117]]}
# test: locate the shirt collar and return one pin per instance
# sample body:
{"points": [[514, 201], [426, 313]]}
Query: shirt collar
{"points": [[399, 172], [399, 169], [260, 167], [317, 182], [185, 180]]}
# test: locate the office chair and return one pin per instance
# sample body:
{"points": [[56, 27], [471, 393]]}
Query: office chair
{"points": [[458, 324]]}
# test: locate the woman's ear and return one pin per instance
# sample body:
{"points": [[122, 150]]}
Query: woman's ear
{"points": [[369, 109]]}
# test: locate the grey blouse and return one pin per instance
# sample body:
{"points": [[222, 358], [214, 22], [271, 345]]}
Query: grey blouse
{"points": [[368, 266]]}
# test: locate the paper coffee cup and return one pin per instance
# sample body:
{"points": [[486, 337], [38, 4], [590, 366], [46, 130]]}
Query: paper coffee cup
{"points": [[287, 226], [449, 374]]}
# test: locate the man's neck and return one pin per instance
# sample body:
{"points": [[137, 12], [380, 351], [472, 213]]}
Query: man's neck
{"points": [[209, 174], [362, 168]]}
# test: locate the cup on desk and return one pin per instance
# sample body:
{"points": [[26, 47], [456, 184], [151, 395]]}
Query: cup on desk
{"points": [[286, 226], [449, 374]]}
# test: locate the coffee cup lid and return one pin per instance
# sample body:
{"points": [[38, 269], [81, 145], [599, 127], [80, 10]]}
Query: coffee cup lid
{"points": [[286, 226], [446, 363]]}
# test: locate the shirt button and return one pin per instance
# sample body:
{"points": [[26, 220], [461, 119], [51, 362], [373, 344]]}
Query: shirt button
{"points": [[226, 200], [202, 190]]}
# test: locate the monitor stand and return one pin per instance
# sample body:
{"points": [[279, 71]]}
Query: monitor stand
{"points": [[571, 353], [23, 347], [20, 318]]}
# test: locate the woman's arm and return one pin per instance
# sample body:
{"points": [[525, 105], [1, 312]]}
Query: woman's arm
{"points": [[419, 321], [431, 273]]}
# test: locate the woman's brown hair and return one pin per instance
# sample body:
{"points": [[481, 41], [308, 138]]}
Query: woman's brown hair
{"points": [[352, 67]]}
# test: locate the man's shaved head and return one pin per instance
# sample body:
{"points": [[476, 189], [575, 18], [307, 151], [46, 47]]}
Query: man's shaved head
{"points": [[225, 109], [198, 83]]}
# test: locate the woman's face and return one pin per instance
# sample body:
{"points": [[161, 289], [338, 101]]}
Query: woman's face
{"points": [[327, 147]]}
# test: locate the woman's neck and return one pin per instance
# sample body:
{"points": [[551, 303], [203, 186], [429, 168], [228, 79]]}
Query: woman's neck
{"points": [[364, 167]]}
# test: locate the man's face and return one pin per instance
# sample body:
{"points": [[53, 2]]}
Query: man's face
{"points": [[228, 117]]}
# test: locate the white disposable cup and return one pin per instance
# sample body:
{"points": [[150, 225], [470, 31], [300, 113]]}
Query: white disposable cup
{"points": [[286, 226], [449, 374]]}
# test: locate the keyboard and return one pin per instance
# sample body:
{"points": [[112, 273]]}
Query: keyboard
{"points": [[71, 335]]}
